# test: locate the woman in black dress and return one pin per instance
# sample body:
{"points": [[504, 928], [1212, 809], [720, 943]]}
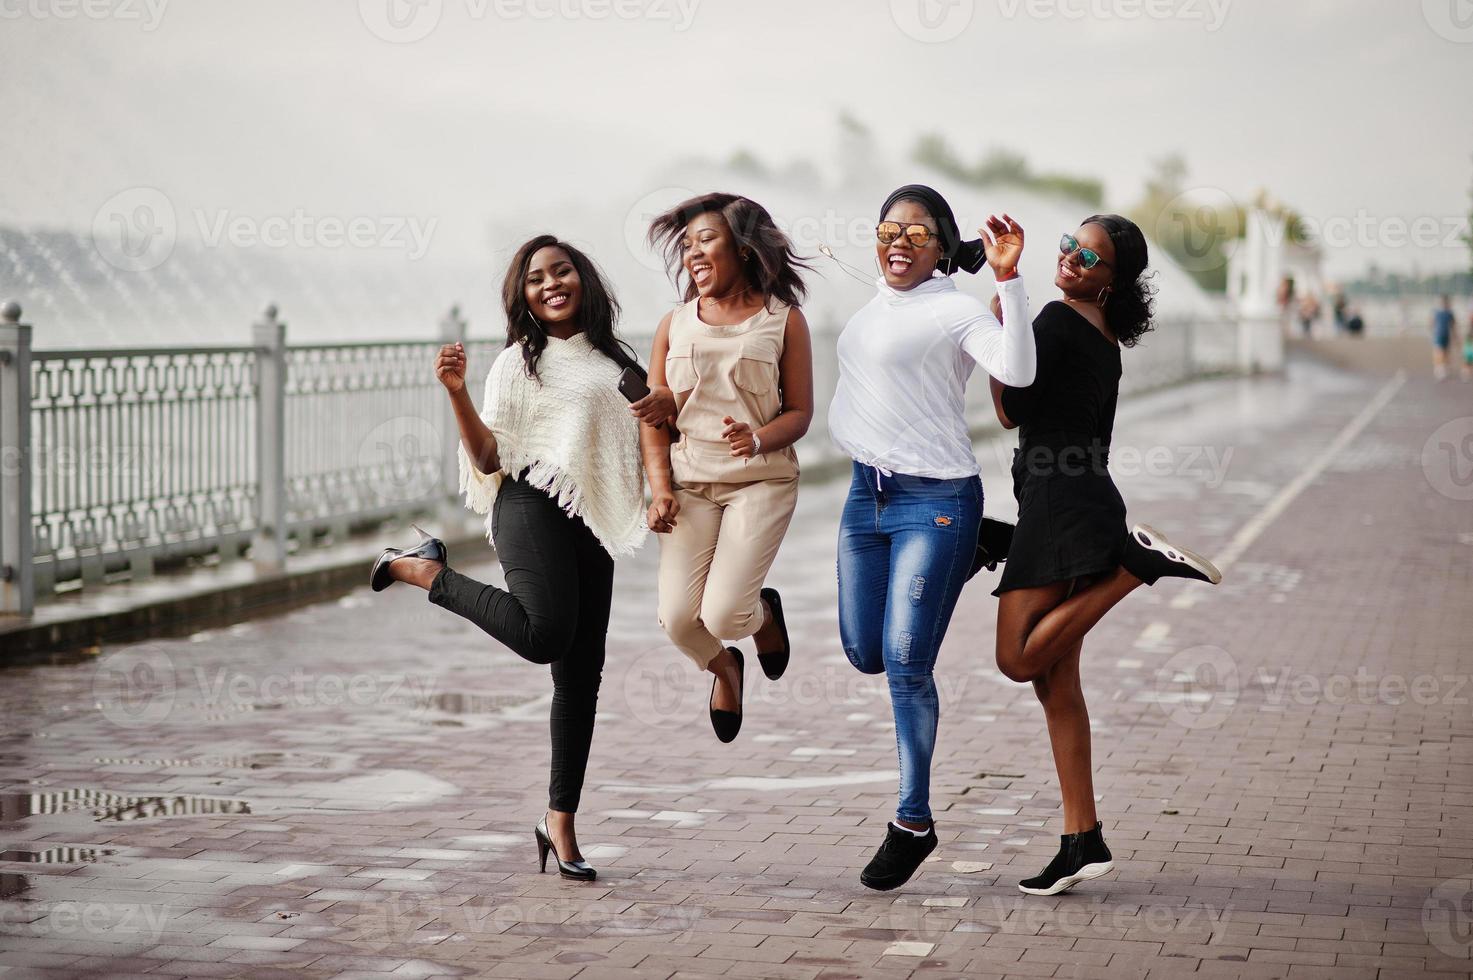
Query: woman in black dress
{"points": [[1071, 558]]}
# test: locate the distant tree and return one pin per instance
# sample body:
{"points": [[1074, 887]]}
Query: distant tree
{"points": [[745, 162], [1004, 167]]}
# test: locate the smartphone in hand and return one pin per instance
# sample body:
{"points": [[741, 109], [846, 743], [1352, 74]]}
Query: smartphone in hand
{"points": [[632, 385]]}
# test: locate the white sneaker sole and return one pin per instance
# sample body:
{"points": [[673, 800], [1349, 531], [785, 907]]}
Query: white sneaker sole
{"points": [[1161, 545], [1087, 873]]}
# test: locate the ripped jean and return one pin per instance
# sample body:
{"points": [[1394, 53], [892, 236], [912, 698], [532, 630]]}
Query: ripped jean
{"points": [[905, 546]]}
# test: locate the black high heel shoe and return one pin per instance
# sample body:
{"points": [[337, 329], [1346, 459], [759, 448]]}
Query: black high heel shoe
{"points": [[727, 723], [576, 870], [429, 547]]}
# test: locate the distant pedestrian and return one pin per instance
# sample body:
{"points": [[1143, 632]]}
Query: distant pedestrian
{"points": [[1442, 337]]}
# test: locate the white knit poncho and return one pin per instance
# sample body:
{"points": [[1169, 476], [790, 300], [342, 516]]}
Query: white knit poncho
{"points": [[575, 432]]}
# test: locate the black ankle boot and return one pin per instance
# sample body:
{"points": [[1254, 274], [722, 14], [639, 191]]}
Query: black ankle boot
{"points": [[1149, 557], [898, 858], [1081, 856]]}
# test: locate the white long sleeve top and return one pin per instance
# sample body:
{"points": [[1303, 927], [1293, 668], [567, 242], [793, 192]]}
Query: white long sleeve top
{"points": [[904, 361]]}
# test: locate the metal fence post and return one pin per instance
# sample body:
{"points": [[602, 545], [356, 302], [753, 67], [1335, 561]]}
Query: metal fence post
{"points": [[17, 557], [452, 330], [268, 549]]}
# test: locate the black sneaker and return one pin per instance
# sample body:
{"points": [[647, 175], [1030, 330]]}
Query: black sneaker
{"points": [[1149, 556], [898, 858], [1081, 856]]}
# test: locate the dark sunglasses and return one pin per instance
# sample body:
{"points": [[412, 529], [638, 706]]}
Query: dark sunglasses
{"points": [[1088, 257], [889, 231]]}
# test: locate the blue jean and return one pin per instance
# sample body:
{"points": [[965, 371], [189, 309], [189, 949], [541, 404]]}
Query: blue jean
{"points": [[905, 546]]}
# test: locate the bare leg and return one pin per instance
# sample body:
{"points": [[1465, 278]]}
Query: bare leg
{"points": [[728, 695], [415, 571], [1030, 639], [565, 838], [1062, 698], [768, 637]]}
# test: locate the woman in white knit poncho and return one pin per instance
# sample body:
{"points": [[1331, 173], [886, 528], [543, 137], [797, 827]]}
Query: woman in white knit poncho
{"points": [[552, 458]]}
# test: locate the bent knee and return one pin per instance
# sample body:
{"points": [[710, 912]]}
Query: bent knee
{"points": [[729, 622], [1015, 669]]}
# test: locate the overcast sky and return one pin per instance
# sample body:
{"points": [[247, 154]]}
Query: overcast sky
{"points": [[1356, 112]]}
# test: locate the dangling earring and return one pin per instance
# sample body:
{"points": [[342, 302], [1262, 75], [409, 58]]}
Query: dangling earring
{"points": [[536, 327], [1104, 295]]}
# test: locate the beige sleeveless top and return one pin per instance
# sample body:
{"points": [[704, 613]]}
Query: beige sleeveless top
{"points": [[720, 371]]}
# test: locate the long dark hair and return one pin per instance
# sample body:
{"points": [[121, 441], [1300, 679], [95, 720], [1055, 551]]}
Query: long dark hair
{"points": [[772, 266], [598, 310], [1130, 303]]}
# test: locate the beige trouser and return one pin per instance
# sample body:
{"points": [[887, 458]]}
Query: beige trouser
{"points": [[713, 563]]}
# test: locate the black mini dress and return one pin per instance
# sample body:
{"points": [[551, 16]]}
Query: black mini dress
{"points": [[1071, 518]]}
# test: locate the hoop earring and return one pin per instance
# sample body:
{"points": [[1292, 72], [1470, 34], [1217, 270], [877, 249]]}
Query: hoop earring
{"points": [[536, 326], [1103, 297]]}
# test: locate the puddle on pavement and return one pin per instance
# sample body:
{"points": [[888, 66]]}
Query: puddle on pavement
{"points": [[252, 760], [112, 807], [57, 855], [456, 703]]}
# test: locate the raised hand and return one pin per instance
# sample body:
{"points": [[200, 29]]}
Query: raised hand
{"points": [[450, 367], [738, 435], [1003, 241]]}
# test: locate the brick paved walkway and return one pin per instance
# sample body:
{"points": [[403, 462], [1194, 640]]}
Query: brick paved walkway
{"points": [[1285, 764]]}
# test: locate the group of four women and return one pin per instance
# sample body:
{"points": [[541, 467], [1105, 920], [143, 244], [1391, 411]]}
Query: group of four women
{"points": [[570, 427]]}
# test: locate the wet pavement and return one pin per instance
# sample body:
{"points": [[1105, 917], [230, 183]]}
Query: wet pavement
{"points": [[1284, 764]]}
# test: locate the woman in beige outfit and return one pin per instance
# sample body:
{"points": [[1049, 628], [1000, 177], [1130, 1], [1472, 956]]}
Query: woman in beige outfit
{"points": [[738, 360]]}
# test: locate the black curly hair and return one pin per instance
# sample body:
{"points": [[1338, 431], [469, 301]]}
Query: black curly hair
{"points": [[1130, 304]]}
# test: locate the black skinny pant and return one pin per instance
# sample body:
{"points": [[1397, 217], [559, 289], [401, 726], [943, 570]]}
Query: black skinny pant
{"points": [[554, 610]]}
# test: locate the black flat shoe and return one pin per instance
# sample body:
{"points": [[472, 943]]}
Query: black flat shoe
{"points": [[899, 856], [429, 547], [1081, 857], [576, 870], [1149, 557], [775, 662], [727, 723], [994, 540]]}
